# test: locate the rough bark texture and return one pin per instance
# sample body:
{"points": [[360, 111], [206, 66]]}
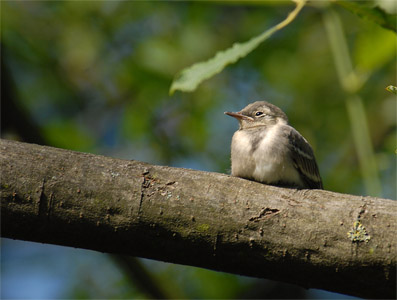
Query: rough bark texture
{"points": [[198, 218]]}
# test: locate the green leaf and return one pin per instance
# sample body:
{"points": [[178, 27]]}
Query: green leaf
{"points": [[190, 78], [374, 14], [392, 89]]}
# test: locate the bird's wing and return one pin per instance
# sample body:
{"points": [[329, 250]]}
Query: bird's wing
{"points": [[303, 157]]}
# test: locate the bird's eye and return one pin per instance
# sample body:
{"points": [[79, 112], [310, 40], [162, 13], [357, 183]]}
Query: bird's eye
{"points": [[258, 113]]}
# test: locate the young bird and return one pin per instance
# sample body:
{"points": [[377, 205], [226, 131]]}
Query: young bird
{"points": [[268, 150]]}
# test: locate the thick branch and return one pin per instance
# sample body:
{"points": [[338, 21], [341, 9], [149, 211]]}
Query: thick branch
{"points": [[198, 218]]}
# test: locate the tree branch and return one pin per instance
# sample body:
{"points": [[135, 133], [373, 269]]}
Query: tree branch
{"points": [[202, 219]]}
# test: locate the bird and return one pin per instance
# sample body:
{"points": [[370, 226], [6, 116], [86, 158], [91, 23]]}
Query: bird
{"points": [[267, 149]]}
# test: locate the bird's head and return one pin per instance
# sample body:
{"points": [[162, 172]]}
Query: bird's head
{"points": [[259, 113]]}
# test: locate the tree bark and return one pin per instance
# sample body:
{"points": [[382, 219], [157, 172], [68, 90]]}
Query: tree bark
{"points": [[313, 238]]}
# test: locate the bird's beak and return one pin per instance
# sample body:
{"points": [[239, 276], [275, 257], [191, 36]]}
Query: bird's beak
{"points": [[238, 116]]}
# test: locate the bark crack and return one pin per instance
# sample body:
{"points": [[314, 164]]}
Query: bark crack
{"points": [[265, 212], [42, 200], [50, 205], [363, 209], [145, 184]]}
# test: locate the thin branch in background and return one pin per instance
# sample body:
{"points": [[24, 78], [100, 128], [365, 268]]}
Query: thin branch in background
{"points": [[352, 83]]}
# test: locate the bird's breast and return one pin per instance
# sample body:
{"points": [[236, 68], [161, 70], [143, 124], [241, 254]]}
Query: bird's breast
{"points": [[262, 156], [242, 158], [270, 157]]}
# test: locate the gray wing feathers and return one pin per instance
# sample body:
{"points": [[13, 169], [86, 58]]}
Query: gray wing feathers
{"points": [[304, 160]]}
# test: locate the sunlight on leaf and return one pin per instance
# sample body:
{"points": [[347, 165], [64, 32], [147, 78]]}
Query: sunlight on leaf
{"points": [[190, 78], [392, 89]]}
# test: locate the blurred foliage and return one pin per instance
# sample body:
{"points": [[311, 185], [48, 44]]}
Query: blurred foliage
{"points": [[94, 76]]}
